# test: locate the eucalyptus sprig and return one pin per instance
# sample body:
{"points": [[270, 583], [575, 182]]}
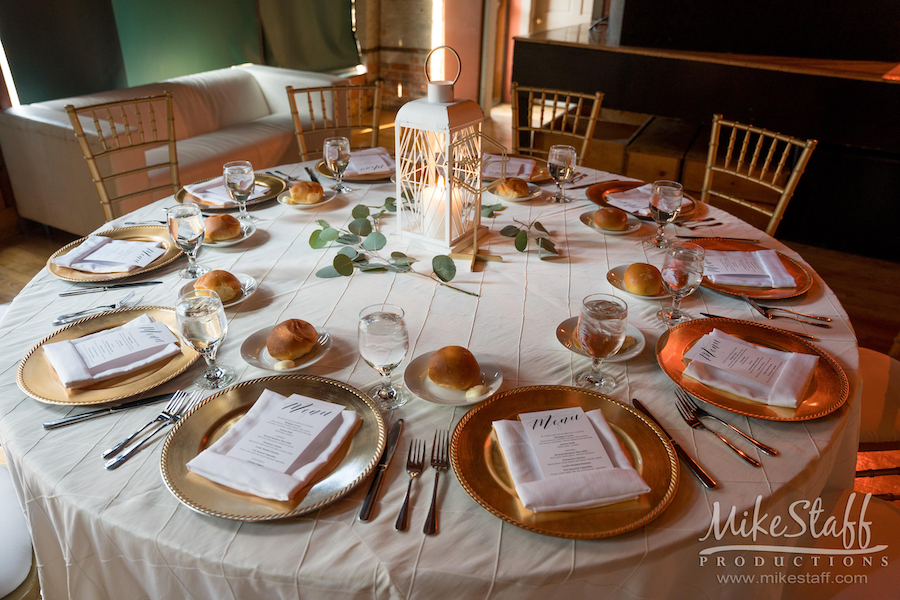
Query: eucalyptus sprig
{"points": [[488, 211], [522, 235]]}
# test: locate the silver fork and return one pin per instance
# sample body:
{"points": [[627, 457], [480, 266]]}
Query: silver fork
{"points": [[415, 464], [177, 400], [691, 419], [701, 226], [686, 398], [63, 319], [440, 461], [765, 312], [171, 416]]}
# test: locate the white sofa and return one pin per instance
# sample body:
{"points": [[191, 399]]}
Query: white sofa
{"points": [[239, 113]]}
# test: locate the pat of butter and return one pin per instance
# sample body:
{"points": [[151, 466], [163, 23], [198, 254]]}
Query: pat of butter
{"points": [[283, 365], [474, 393]]}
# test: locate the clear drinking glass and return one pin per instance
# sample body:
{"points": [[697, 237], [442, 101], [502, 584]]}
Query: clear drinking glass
{"points": [[186, 228], [240, 181], [665, 205], [336, 153], [682, 273], [561, 164], [383, 344], [601, 332], [202, 325]]}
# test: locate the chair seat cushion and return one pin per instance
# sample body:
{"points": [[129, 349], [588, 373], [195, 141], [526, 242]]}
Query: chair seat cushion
{"points": [[15, 540], [880, 409]]}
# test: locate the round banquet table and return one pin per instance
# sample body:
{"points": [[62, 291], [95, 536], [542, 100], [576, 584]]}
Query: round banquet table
{"points": [[121, 534]]}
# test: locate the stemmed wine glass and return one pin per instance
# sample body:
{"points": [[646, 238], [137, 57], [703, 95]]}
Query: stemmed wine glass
{"points": [[240, 181], [601, 332], [383, 344], [682, 273], [336, 153], [665, 205], [202, 325], [561, 164], [186, 228]]}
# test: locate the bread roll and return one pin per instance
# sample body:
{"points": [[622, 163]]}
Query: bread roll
{"points": [[512, 188], [222, 283], [644, 280], [291, 339], [611, 218], [454, 367], [222, 227], [305, 192]]}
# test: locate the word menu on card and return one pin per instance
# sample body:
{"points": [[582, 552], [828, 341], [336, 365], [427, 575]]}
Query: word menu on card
{"points": [[564, 441]]}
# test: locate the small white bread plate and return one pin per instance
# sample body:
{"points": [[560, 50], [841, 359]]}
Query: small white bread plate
{"points": [[565, 333], [248, 287], [254, 351], [418, 382], [247, 230], [328, 196], [616, 276], [631, 225]]}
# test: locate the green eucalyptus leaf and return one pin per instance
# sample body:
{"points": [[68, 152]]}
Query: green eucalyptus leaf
{"points": [[372, 268], [400, 268], [374, 241], [539, 227], [361, 227], [522, 241], [443, 267], [348, 238], [398, 258], [316, 241], [327, 272], [360, 211], [487, 213], [510, 231], [343, 265], [329, 234], [547, 245], [349, 251], [323, 223], [390, 204]]}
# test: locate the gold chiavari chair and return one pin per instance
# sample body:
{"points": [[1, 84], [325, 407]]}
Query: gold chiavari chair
{"points": [[351, 111], [754, 159], [544, 117], [118, 142]]}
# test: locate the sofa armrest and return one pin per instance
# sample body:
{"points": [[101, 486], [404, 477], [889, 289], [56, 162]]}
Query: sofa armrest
{"points": [[273, 80]]}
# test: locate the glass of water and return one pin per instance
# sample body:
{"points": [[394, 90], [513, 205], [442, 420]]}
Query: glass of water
{"points": [[561, 164], [682, 273], [240, 181], [336, 153], [186, 228], [601, 332], [383, 344], [202, 326], [665, 205]]}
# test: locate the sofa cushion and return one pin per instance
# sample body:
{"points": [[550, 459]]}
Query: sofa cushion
{"points": [[15, 541]]}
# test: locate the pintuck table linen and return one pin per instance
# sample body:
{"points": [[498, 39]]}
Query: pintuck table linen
{"points": [[104, 535]]}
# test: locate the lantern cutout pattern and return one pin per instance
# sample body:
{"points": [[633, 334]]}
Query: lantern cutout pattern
{"points": [[438, 143]]}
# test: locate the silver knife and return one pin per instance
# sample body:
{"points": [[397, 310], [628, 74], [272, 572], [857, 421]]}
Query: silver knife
{"points": [[105, 288], [92, 414], [797, 333], [715, 237], [312, 176], [702, 475], [393, 437], [760, 310]]}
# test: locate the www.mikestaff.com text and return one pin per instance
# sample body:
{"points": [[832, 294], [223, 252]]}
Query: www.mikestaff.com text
{"points": [[802, 578]]}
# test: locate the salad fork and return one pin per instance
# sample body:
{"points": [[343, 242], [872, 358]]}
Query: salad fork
{"points": [[415, 464], [178, 398], [690, 417], [440, 461], [686, 398], [74, 316], [765, 312]]}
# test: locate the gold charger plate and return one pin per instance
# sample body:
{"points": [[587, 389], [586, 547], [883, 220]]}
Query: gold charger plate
{"points": [[597, 194], [37, 378], [827, 391], [323, 170], [801, 276], [212, 418], [479, 465], [276, 185], [141, 233]]}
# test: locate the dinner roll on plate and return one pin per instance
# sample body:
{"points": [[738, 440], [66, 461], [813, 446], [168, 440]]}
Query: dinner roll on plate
{"points": [[611, 218], [222, 227], [222, 283], [305, 192], [291, 339], [454, 367], [643, 280], [512, 187]]}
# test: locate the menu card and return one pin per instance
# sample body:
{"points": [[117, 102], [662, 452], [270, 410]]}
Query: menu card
{"points": [[733, 263], [366, 164], [515, 167], [564, 442], [122, 345], [760, 268], [739, 359], [214, 192], [279, 439], [122, 252]]}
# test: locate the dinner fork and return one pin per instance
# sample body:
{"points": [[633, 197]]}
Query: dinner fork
{"points": [[440, 461], [793, 312], [171, 417], [700, 226], [74, 316], [178, 398], [691, 419], [686, 398], [415, 464], [765, 312]]}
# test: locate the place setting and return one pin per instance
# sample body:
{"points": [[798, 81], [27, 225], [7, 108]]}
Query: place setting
{"points": [[239, 186], [358, 166]]}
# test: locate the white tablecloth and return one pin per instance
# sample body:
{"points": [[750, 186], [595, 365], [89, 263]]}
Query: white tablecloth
{"points": [[120, 534]]}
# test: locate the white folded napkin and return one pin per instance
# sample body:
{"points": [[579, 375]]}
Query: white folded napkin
{"points": [[516, 167], [214, 464], [636, 200], [370, 161], [762, 268], [74, 372], [787, 390], [587, 489], [101, 254], [213, 192]]}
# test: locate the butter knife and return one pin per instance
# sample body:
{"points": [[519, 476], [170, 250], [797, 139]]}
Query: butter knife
{"points": [[312, 176], [393, 437], [702, 475], [92, 414], [105, 288], [797, 333]]}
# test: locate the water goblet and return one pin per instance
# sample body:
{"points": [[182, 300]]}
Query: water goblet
{"points": [[561, 164], [240, 181], [336, 153], [383, 344], [202, 326], [186, 228], [682, 273], [601, 332], [665, 205]]}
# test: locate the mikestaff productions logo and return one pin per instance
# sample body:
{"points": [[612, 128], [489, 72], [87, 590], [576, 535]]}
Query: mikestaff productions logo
{"points": [[807, 547]]}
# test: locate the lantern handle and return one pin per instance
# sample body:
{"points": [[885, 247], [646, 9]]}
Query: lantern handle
{"points": [[458, 63]]}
